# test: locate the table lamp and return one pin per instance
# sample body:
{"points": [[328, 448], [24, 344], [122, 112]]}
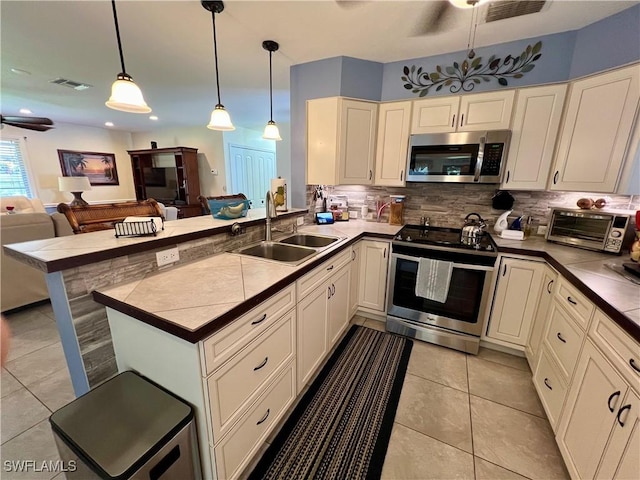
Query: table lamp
{"points": [[75, 185]]}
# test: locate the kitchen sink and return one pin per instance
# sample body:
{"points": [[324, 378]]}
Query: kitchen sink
{"points": [[308, 240], [292, 254]]}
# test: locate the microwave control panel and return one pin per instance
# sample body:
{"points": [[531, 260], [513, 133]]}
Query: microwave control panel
{"points": [[491, 159]]}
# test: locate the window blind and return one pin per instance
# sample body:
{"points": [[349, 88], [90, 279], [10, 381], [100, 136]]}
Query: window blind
{"points": [[13, 170]]}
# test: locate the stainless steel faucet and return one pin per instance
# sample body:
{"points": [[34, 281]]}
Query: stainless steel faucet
{"points": [[271, 213]]}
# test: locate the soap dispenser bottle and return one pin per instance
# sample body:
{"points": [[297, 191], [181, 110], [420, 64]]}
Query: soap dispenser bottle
{"points": [[502, 222]]}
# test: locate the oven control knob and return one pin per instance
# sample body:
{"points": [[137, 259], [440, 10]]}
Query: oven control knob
{"points": [[615, 234], [408, 238], [398, 237]]}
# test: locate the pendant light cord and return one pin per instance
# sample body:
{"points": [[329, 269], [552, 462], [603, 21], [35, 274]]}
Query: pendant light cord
{"points": [[270, 88], [215, 55], [115, 19]]}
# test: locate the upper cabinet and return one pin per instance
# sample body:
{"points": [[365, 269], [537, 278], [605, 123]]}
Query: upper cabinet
{"points": [[393, 142], [341, 135], [534, 131], [479, 111], [598, 122]]}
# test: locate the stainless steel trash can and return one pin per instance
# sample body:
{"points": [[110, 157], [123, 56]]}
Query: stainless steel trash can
{"points": [[128, 427]]}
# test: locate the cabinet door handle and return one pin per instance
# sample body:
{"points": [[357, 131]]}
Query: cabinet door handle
{"points": [[333, 289], [353, 255], [504, 270], [263, 419], [614, 394], [453, 121], [401, 174], [571, 301], [555, 177], [634, 365], [461, 119], [262, 319], [330, 268], [626, 407], [549, 286], [384, 253], [508, 175], [546, 383], [370, 174], [559, 335], [328, 292], [264, 362]]}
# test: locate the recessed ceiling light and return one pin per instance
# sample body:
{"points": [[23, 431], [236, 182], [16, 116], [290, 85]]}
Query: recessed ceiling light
{"points": [[108, 124], [19, 71], [26, 111], [153, 117]]}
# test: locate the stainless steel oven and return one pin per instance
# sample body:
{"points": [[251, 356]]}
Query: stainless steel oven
{"points": [[458, 321]]}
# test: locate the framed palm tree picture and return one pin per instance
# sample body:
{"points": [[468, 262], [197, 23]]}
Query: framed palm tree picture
{"points": [[99, 168]]}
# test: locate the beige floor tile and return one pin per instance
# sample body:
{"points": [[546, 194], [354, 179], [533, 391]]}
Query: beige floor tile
{"points": [[412, 455], [505, 385], [439, 364], [37, 365], [37, 445], [358, 320], [437, 411], [504, 358], [46, 309], [488, 471], [375, 324], [25, 320], [8, 384], [55, 391], [20, 411], [31, 340], [515, 440]]}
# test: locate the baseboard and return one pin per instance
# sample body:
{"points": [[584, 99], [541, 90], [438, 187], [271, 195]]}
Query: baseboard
{"points": [[501, 348], [372, 314]]}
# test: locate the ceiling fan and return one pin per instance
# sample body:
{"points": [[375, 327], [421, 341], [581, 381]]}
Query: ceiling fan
{"points": [[39, 124]]}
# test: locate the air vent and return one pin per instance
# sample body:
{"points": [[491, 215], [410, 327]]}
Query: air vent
{"points": [[71, 84], [512, 8]]}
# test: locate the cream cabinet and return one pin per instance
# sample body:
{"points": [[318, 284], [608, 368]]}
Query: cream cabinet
{"points": [[534, 131], [474, 112], [341, 140], [354, 279], [515, 300], [392, 144], [598, 122], [532, 347], [374, 262], [338, 318]]}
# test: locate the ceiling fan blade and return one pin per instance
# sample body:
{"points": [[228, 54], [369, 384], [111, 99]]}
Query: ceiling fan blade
{"points": [[27, 120], [435, 18], [29, 126]]}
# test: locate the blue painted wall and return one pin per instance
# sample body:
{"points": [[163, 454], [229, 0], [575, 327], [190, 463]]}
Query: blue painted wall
{"points": [[608, 43]]}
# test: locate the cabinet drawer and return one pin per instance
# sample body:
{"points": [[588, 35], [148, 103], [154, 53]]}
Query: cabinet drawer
{"points": [[233, 386], [564, 340], [311, 280], [622, 350], [551, 387], [235, 450], [232, 338], [575, 302]]}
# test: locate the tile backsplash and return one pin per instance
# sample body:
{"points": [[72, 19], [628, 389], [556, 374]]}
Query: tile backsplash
{"points": [[446, 205]]}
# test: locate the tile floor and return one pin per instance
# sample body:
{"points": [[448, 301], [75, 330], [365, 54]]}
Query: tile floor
{"points": [[460, 416]]}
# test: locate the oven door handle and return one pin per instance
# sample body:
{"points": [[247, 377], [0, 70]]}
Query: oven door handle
{"points": [[480, 158], [465, 266]]}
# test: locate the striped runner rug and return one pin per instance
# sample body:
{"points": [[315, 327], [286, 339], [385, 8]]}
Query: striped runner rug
{"points": [[341, 427]]}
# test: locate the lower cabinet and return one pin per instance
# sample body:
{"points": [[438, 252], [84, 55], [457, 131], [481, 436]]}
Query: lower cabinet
{"points": [[354, 283], [532, 347], [338, 318], [598, 433], [374, 262], [515, 301]]}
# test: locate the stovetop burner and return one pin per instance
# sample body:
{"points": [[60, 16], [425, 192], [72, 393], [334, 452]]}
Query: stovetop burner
{"points": [[441, 236]]}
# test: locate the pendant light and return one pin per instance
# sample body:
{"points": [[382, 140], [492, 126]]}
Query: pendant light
{"points": [[220, 119], [125, 94], [271, 131]]}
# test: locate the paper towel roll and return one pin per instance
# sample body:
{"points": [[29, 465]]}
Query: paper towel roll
{"points": [[279, 192]]}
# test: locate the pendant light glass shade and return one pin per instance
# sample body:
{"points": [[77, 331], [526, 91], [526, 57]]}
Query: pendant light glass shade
{"points": [[125, 94], [220, 120], [271, 131]]}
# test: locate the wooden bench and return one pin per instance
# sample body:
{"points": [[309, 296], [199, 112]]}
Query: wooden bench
{"points": [[102, 217]]}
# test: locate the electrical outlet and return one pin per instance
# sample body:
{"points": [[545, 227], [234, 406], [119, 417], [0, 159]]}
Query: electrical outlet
{"points": [[300, 221], [542, 229], [166, 257], [214, 171], [353, 214]]}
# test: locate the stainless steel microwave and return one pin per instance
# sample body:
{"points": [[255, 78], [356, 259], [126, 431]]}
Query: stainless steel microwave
{"points": [[466, 157], [594, 230]]}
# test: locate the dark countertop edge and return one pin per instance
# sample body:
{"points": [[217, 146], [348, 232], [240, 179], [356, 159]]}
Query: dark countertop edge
{"points": [[194, 336], [51, 266], [618, 317]]}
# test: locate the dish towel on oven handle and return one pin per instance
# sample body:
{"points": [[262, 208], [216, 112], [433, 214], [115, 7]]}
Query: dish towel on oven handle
{"points": [[432, 281]]}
